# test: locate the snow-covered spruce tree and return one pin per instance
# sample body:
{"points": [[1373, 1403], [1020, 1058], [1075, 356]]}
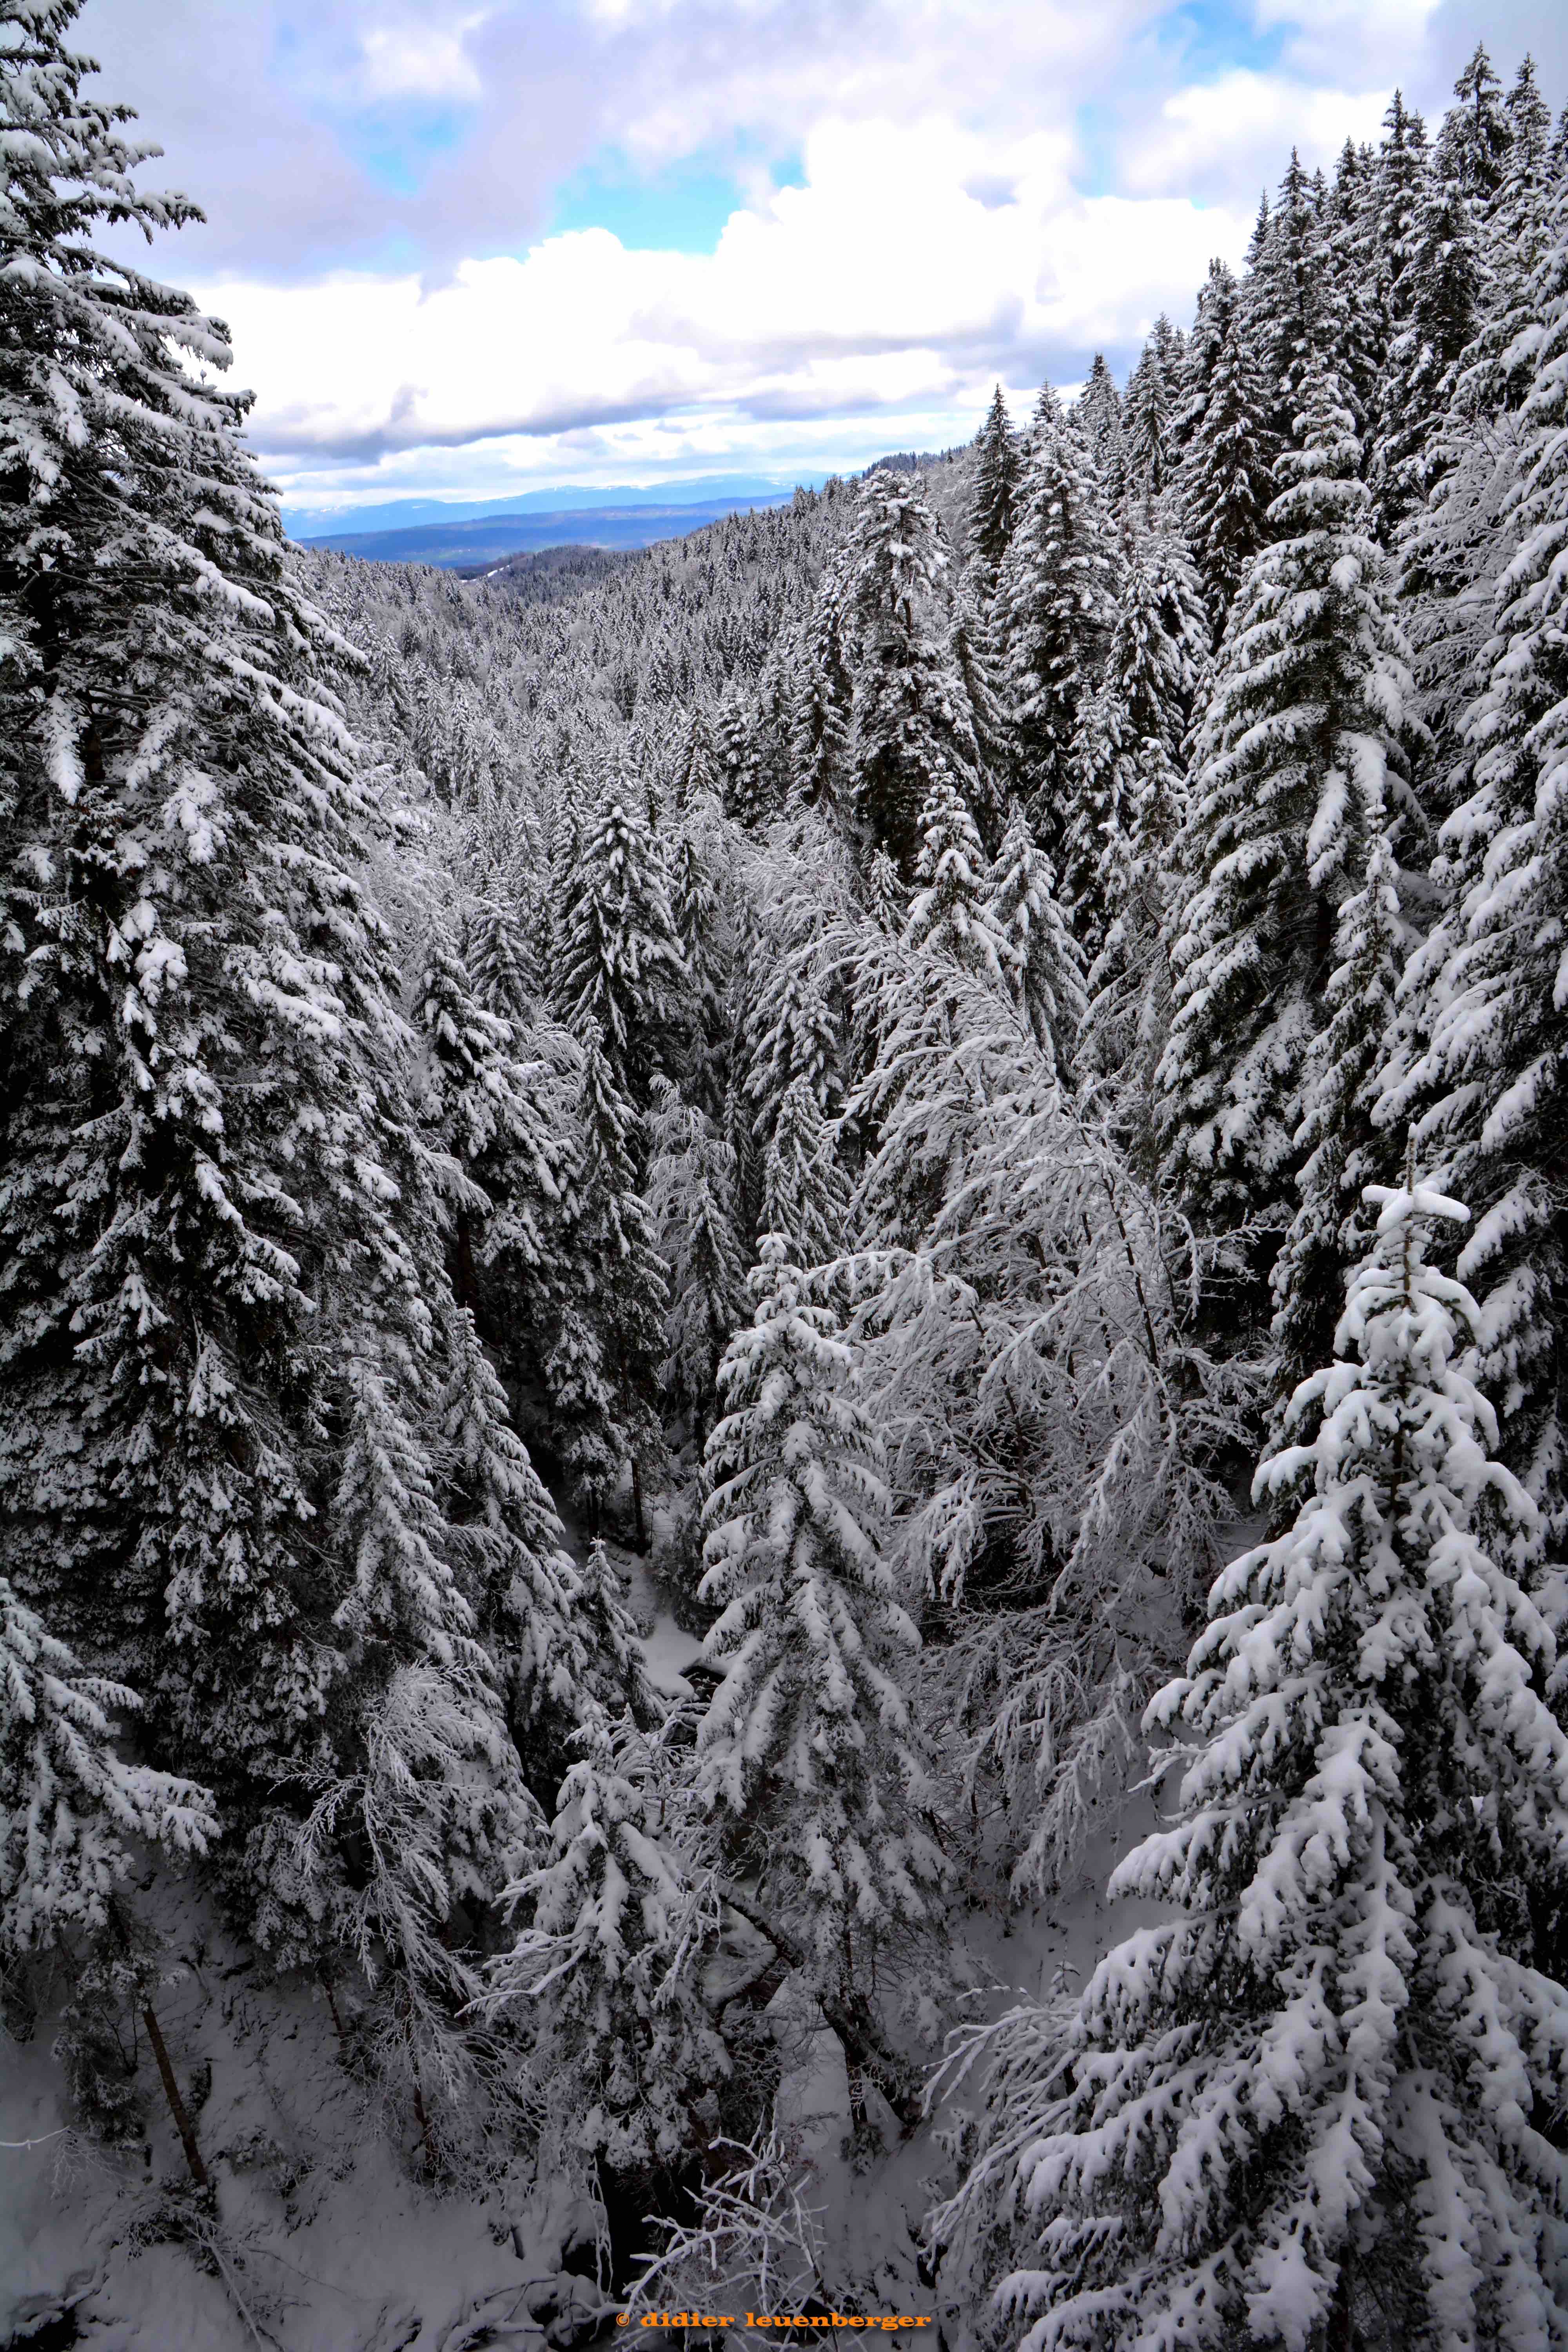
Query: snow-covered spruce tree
{"points": [[806, 1193], [509, 1553], [1099, 416], [1344, 1151], [1438, 300], [951, 912], [1054, 608], [69, 1805], [1480, 1060], [691, 1199], [997, 473], [1148, 423], [971, 643], [1296, 307], [472, 1102], [1046, 964], [823, 698], [498, 955], [619, 1677], [1057, 1434], [626, 1281], [201, 1063], [1227, 482], [1302, 745], [627, 2064], [911, 716], [1311, 2111], [808, 1753], [621, 967], [791, 1033]]}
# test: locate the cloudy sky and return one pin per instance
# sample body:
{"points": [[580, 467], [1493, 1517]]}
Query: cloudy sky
{"points": [[472, 247]]}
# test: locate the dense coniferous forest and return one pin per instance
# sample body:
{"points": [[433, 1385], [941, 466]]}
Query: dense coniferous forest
{"points": [[722, 1274]]}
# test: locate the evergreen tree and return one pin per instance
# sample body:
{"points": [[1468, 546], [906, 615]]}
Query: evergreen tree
{"points": [[1054, 609], [1438, 298], [499, 961], [997, 473], [1301, 748], [621, 970], [207, 1117], [507, 1547], [1099, 417], [1148, 421], [824, 693], [950, 913], [1311, 2108], [691, 1198], [1479, 1060], [972, 644], [1473, 146], [1341, 1150], [808, 1752], [1046, 965], [805, 1196], [625, 2046], [912, 723], [626, 1281], [1296, 306], [67, 1804], [1227, 480]]}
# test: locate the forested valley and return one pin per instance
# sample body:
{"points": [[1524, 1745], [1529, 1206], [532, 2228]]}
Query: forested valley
{"points": [[730, 1281]]}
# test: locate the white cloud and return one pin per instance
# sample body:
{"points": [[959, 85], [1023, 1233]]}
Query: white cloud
{"points": [[1238, 130], [421, 60], [881, 297]]}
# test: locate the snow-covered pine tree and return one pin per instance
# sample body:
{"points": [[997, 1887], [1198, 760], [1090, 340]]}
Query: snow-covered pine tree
{"points": [[1438, 300], [806, 1194], [1227, 482], [691, 1198], [808, 1752], [1312, 2109], [1054, 609], [911, 716], [498, 955], [1047, 963], [950, 913], [627, 2062], [1099, 417], [69, 1809], [1302, 745], [1480, 1061], [508, 1549], [1344, 1152], [1148, 422], [206, 1115], [997, 474], [621, 971]]}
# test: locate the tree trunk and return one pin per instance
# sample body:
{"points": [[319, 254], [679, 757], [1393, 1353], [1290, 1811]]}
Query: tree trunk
{"points": [[171, 2092], [465, 1275], [337, 2021], [850, 2017], [639, 1524]]}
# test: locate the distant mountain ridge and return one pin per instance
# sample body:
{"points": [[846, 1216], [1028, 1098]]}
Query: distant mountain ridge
{"points": [[469, 544]]}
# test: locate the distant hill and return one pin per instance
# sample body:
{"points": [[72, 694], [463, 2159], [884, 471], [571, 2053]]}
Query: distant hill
{"points": [[472, 545]]}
